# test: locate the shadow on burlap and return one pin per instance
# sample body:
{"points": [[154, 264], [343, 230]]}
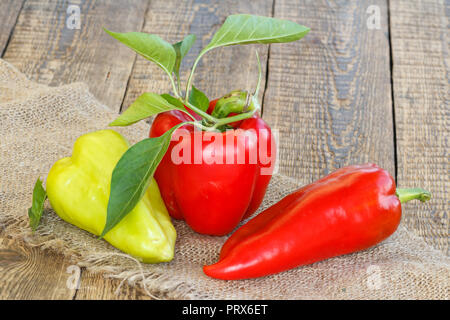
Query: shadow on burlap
{"points": [[39, 125]]}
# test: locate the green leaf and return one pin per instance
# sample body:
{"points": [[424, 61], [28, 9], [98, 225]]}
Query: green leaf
{"points": [[37, 207], [247, 29], [147, 105], [198, 99], [173, 101], [150, 46], [131, 176], [181, 50]]}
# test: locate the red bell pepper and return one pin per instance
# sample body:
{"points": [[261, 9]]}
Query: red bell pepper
{"points": [[349, 210], [214, 197], [211, 195]]}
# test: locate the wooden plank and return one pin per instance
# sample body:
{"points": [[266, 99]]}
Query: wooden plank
{"points": [[329, 95], [419, 35], [31, 273], [45, 49], [220, 70], [9, 11], [94, 286]]}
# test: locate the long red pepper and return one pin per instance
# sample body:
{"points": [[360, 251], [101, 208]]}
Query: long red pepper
{"points": [[349, 210]]}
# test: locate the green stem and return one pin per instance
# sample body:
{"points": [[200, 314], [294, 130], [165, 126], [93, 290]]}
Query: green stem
{"points": [[406, 195], [220, 122], [258, 85], [235, 118], [198, 125], [174, 87], [217, 122], [179, 85], [188, 85], [200, 112]]}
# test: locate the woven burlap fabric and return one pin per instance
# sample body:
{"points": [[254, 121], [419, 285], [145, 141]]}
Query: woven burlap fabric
{"points": [[39, 124]]}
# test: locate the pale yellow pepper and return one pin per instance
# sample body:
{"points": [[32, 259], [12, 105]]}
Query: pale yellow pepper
{"points": [[78, 190]]}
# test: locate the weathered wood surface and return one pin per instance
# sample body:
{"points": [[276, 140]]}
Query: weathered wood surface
{"points": [[9, 11], [95, 286], [329, 95], [31, 273], [44, 48], [420, 47], [47, 51]]}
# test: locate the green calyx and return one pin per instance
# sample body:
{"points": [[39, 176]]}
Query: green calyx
{"points": [[235, 102]]}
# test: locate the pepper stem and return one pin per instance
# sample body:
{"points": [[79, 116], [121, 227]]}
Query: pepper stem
{"points": [[405, 195]]}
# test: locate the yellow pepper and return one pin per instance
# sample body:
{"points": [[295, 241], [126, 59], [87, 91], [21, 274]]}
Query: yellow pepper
{"points": [[78, 189]]}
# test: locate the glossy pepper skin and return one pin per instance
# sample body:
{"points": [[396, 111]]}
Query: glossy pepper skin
{"points": [[78, 190], [349, 210], [213, 197]]}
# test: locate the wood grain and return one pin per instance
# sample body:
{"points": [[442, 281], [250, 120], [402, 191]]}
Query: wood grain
{"points": [[9, 11], [95, 286], [31, 273], [220, 70], [329, 95], [47, 51], [419, 33]]}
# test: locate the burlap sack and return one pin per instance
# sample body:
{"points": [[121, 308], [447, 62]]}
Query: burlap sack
{"points": [[39, 124]]}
